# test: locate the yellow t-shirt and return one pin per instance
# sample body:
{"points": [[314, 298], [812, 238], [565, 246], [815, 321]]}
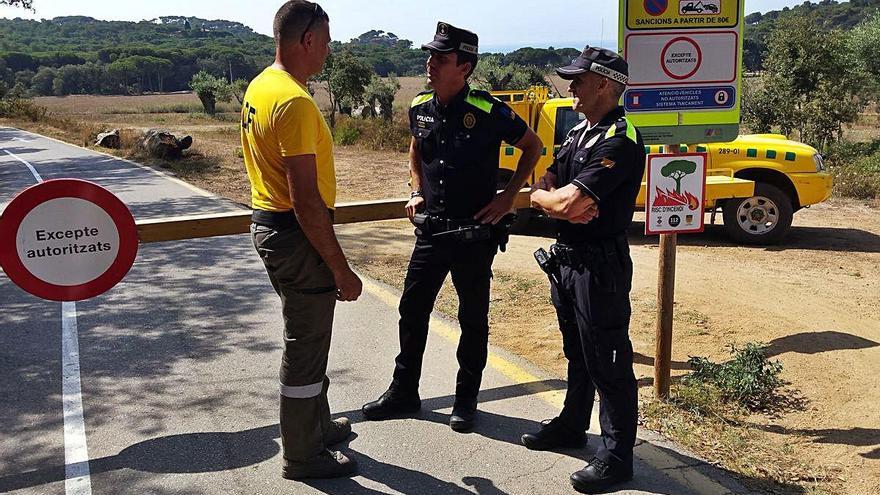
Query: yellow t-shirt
{"points": [[279, 119]]}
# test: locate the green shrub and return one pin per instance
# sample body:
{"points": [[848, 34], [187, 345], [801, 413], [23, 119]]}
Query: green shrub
{"points": [[856, 168], [382, 135], [749, 379], [22, 109], [374, 134], [346, 133]]}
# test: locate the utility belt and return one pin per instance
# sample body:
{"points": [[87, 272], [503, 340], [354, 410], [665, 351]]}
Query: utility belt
{"points": [[602, 258], [591, 253], [279, 220], [463, 230]]}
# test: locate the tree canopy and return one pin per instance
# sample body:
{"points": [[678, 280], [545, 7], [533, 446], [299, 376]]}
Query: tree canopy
{"points": [[78, 54], [825, 14], [678, 170]]}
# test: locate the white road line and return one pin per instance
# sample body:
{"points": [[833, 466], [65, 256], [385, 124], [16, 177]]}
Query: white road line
{"points": [[77, 479], [28, 165]]}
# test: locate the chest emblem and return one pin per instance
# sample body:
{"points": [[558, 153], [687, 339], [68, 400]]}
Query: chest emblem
{"points": [[608, 163], [469, 121]]}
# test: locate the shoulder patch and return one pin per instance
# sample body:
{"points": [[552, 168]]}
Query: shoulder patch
{"points": [[622, 127], [422, 98], [481, 99]]}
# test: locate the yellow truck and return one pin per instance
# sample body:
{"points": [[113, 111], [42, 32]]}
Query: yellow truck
{"points": [[757, 181]]}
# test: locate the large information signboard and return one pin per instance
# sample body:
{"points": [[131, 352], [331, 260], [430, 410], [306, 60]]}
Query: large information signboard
{"points": [[685, 60]]}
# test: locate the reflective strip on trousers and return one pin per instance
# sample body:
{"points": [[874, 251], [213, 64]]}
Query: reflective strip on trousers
{"points": [[302, 392]]}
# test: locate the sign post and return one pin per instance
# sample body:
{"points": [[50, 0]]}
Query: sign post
{"points": [[67, 240], [685, 68], [676, 192]]}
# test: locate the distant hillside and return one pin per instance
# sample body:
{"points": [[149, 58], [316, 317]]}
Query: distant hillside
{"points": [[82, 55], [79, 54], [828, 14]]}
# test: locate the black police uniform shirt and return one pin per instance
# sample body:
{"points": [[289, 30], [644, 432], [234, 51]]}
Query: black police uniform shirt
{"points": [[459, 145], [606, 162]]}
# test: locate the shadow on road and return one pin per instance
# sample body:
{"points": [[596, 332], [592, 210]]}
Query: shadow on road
{"points": [[208, 452]]}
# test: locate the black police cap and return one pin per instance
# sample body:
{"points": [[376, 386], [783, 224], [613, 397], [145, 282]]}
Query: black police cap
{"points": [[449, 38], [599, 60]]}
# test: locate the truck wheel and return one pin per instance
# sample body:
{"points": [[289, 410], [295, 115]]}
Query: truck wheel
{"points": [[764, 218]]}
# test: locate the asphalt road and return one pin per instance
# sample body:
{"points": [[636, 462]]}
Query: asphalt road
{"points": [[178, 367]]}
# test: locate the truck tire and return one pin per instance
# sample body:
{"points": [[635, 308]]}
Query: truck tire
{"points": [[763, 219]]}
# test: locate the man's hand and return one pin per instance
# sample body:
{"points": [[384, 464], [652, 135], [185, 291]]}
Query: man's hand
{"points": [[567, 203], [500, 205], [348, 285], [591, 213], [413, 206]]}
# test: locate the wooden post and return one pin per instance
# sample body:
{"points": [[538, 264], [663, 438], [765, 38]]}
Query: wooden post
{"points": [[665, 312], [665, 309]]}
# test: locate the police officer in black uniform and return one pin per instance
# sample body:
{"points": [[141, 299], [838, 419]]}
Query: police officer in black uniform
{"points": [[456, 133], [590, 189]]}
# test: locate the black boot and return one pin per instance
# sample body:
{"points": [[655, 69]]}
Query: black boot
{"points": [[464, 416], [600, 475], [554, 435], [392, 404]]}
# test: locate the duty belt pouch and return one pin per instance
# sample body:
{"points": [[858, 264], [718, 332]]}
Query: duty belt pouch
{"points": [[420, 220]]}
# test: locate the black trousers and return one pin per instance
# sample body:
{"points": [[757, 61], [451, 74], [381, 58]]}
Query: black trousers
{"points": [[593, 309], [471, 267]]}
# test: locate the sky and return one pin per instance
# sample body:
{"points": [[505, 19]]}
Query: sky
{"points": [[501, 24]]}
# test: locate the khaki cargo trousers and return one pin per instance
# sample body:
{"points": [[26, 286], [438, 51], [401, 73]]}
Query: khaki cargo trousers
{"points": [[308, 298]]}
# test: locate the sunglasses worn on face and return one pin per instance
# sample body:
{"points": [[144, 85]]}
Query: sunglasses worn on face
{"points": [[317, 13]]}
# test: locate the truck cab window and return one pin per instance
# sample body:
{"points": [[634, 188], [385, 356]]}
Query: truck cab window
{"points": [[566, 118]]}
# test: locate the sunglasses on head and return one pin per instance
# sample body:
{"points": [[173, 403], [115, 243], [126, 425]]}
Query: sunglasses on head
{"points": [[317, 13]]}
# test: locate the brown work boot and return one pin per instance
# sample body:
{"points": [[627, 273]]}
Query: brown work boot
{"points": [[338, 430], [327, 464]]}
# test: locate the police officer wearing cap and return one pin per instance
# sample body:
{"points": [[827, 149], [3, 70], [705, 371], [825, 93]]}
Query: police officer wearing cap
{"points": [[590, 189], [456, 134]]}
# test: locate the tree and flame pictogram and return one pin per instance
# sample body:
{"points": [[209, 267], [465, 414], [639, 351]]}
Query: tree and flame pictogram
{"points": [[677, 170]]}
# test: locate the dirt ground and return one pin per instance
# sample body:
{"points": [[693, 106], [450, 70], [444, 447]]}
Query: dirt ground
{"points": [[815, 299]]}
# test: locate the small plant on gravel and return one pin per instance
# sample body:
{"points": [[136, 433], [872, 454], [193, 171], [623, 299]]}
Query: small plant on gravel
{"points": [[749, 379]]}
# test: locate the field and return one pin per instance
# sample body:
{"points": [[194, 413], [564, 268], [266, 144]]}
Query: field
{"points": [[814, 299]]}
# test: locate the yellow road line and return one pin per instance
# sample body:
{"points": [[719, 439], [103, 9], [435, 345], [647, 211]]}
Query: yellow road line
{"points": [[450, 333]]}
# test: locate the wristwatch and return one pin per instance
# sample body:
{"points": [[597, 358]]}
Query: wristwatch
{"points": [[415, 194]]}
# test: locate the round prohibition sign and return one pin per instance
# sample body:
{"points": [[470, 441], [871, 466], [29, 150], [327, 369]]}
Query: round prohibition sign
{"points": [[655, 7], [696, 50], [67, 240]]}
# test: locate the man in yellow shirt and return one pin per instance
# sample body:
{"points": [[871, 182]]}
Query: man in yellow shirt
{"points": [[288, 153]]}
